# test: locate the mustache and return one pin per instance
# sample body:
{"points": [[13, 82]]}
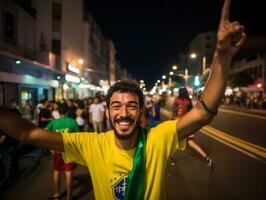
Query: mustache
{"points": [[122, 119]]}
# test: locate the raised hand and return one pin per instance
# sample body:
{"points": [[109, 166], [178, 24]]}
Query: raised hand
{"points": [[230, 35]]}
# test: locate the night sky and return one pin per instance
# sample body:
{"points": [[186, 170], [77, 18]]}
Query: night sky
{"points": [[149, 35]]}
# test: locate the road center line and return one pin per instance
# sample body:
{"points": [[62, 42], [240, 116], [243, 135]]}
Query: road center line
{"points": [[252, 148], [234, 147], [242, 113]]}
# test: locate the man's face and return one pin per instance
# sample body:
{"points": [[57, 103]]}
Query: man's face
{"points": [[124, 114]]}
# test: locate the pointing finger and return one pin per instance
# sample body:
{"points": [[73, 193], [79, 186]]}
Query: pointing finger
{"points": [[225, 11]]}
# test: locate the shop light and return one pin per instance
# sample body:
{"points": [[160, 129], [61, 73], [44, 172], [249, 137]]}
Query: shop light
{"points": [[73, 69], [259, 85], [72, 78], [18, 62]]}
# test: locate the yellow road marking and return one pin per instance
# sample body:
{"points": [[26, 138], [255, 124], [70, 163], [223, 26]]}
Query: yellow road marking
{"points": [[208, 130], [255, 149], [242, 113]]}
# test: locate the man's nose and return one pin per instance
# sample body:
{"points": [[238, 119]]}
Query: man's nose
{"points": [[123, 111]]}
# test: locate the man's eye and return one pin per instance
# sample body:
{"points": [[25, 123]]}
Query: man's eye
{"points": [[133, 107], [115, 107]]}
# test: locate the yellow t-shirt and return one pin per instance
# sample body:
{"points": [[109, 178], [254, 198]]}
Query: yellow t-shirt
{"points": [[109, 166]]}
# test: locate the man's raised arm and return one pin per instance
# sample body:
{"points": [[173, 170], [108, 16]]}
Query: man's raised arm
{"points": [[230, 37], [27, 132]]}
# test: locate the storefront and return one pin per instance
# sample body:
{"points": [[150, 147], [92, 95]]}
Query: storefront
{"points": [[25, 80]]}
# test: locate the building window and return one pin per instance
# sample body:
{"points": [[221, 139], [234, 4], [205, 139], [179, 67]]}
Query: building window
{"points": [[57, 11], [56, 47], [9, 26]]}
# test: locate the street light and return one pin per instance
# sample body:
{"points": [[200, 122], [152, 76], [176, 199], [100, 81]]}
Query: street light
{"points": [[174, 67], [194, 55], [80, 61], [171, 73]]}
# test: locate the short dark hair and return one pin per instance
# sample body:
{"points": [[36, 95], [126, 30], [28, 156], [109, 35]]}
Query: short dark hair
{"points": [[125, 86], [183, 93], [62, 108]]}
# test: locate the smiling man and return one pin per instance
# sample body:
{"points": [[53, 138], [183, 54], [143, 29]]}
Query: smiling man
{"points": [[129, 162]]}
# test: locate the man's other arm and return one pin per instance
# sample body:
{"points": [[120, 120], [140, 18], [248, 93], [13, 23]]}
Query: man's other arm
{"points": [[24, 131], [230, 37]]}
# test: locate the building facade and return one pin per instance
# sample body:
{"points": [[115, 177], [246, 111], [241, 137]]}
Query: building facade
{"points": [[52, 49], [203, 46], [256, 68], [26, 71]]}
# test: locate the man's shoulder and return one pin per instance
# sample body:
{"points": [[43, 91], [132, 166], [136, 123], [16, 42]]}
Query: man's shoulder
{"points": [[164, 126]]}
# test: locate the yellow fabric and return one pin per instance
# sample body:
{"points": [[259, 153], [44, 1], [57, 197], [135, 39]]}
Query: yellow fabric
{"points": [[109, 166]]}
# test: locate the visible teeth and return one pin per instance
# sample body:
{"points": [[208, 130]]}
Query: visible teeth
{"points": [[124, 123]]}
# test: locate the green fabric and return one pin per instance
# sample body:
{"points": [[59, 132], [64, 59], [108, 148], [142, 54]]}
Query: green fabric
{"points": [[136, 179], [63, 125]]}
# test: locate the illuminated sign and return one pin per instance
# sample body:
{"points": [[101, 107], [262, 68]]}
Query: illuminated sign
{"points": [[73, 69], [72, 78]]}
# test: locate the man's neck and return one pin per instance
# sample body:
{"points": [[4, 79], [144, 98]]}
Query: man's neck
{"points": [[127, 144]]}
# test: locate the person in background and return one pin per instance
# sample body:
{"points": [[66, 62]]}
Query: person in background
{"points": [[55, 111], [62, 125], [181, 106], [80, 113], [45, 115], [71, 109], [27, 110], [37, 111], [155, 115], [97, 114]]}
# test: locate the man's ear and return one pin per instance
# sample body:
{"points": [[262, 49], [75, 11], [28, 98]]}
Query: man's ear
{"points": [[107, 113]]}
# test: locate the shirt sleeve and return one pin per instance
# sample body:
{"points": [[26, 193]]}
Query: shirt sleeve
{"points": [[75, 147], [165, 136]]}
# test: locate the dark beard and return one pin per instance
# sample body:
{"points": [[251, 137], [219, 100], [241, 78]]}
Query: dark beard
{"points": [[125, 137]]}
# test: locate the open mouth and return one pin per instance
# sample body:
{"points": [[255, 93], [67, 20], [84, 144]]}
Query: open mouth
{"points": [[124, 124]]}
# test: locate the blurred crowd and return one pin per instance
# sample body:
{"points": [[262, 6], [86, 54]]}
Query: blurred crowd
{"points": [[247, 100]]}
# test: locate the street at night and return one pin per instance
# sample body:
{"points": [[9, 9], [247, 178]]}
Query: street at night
{"points": [[238, 173], [132, 100]]}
